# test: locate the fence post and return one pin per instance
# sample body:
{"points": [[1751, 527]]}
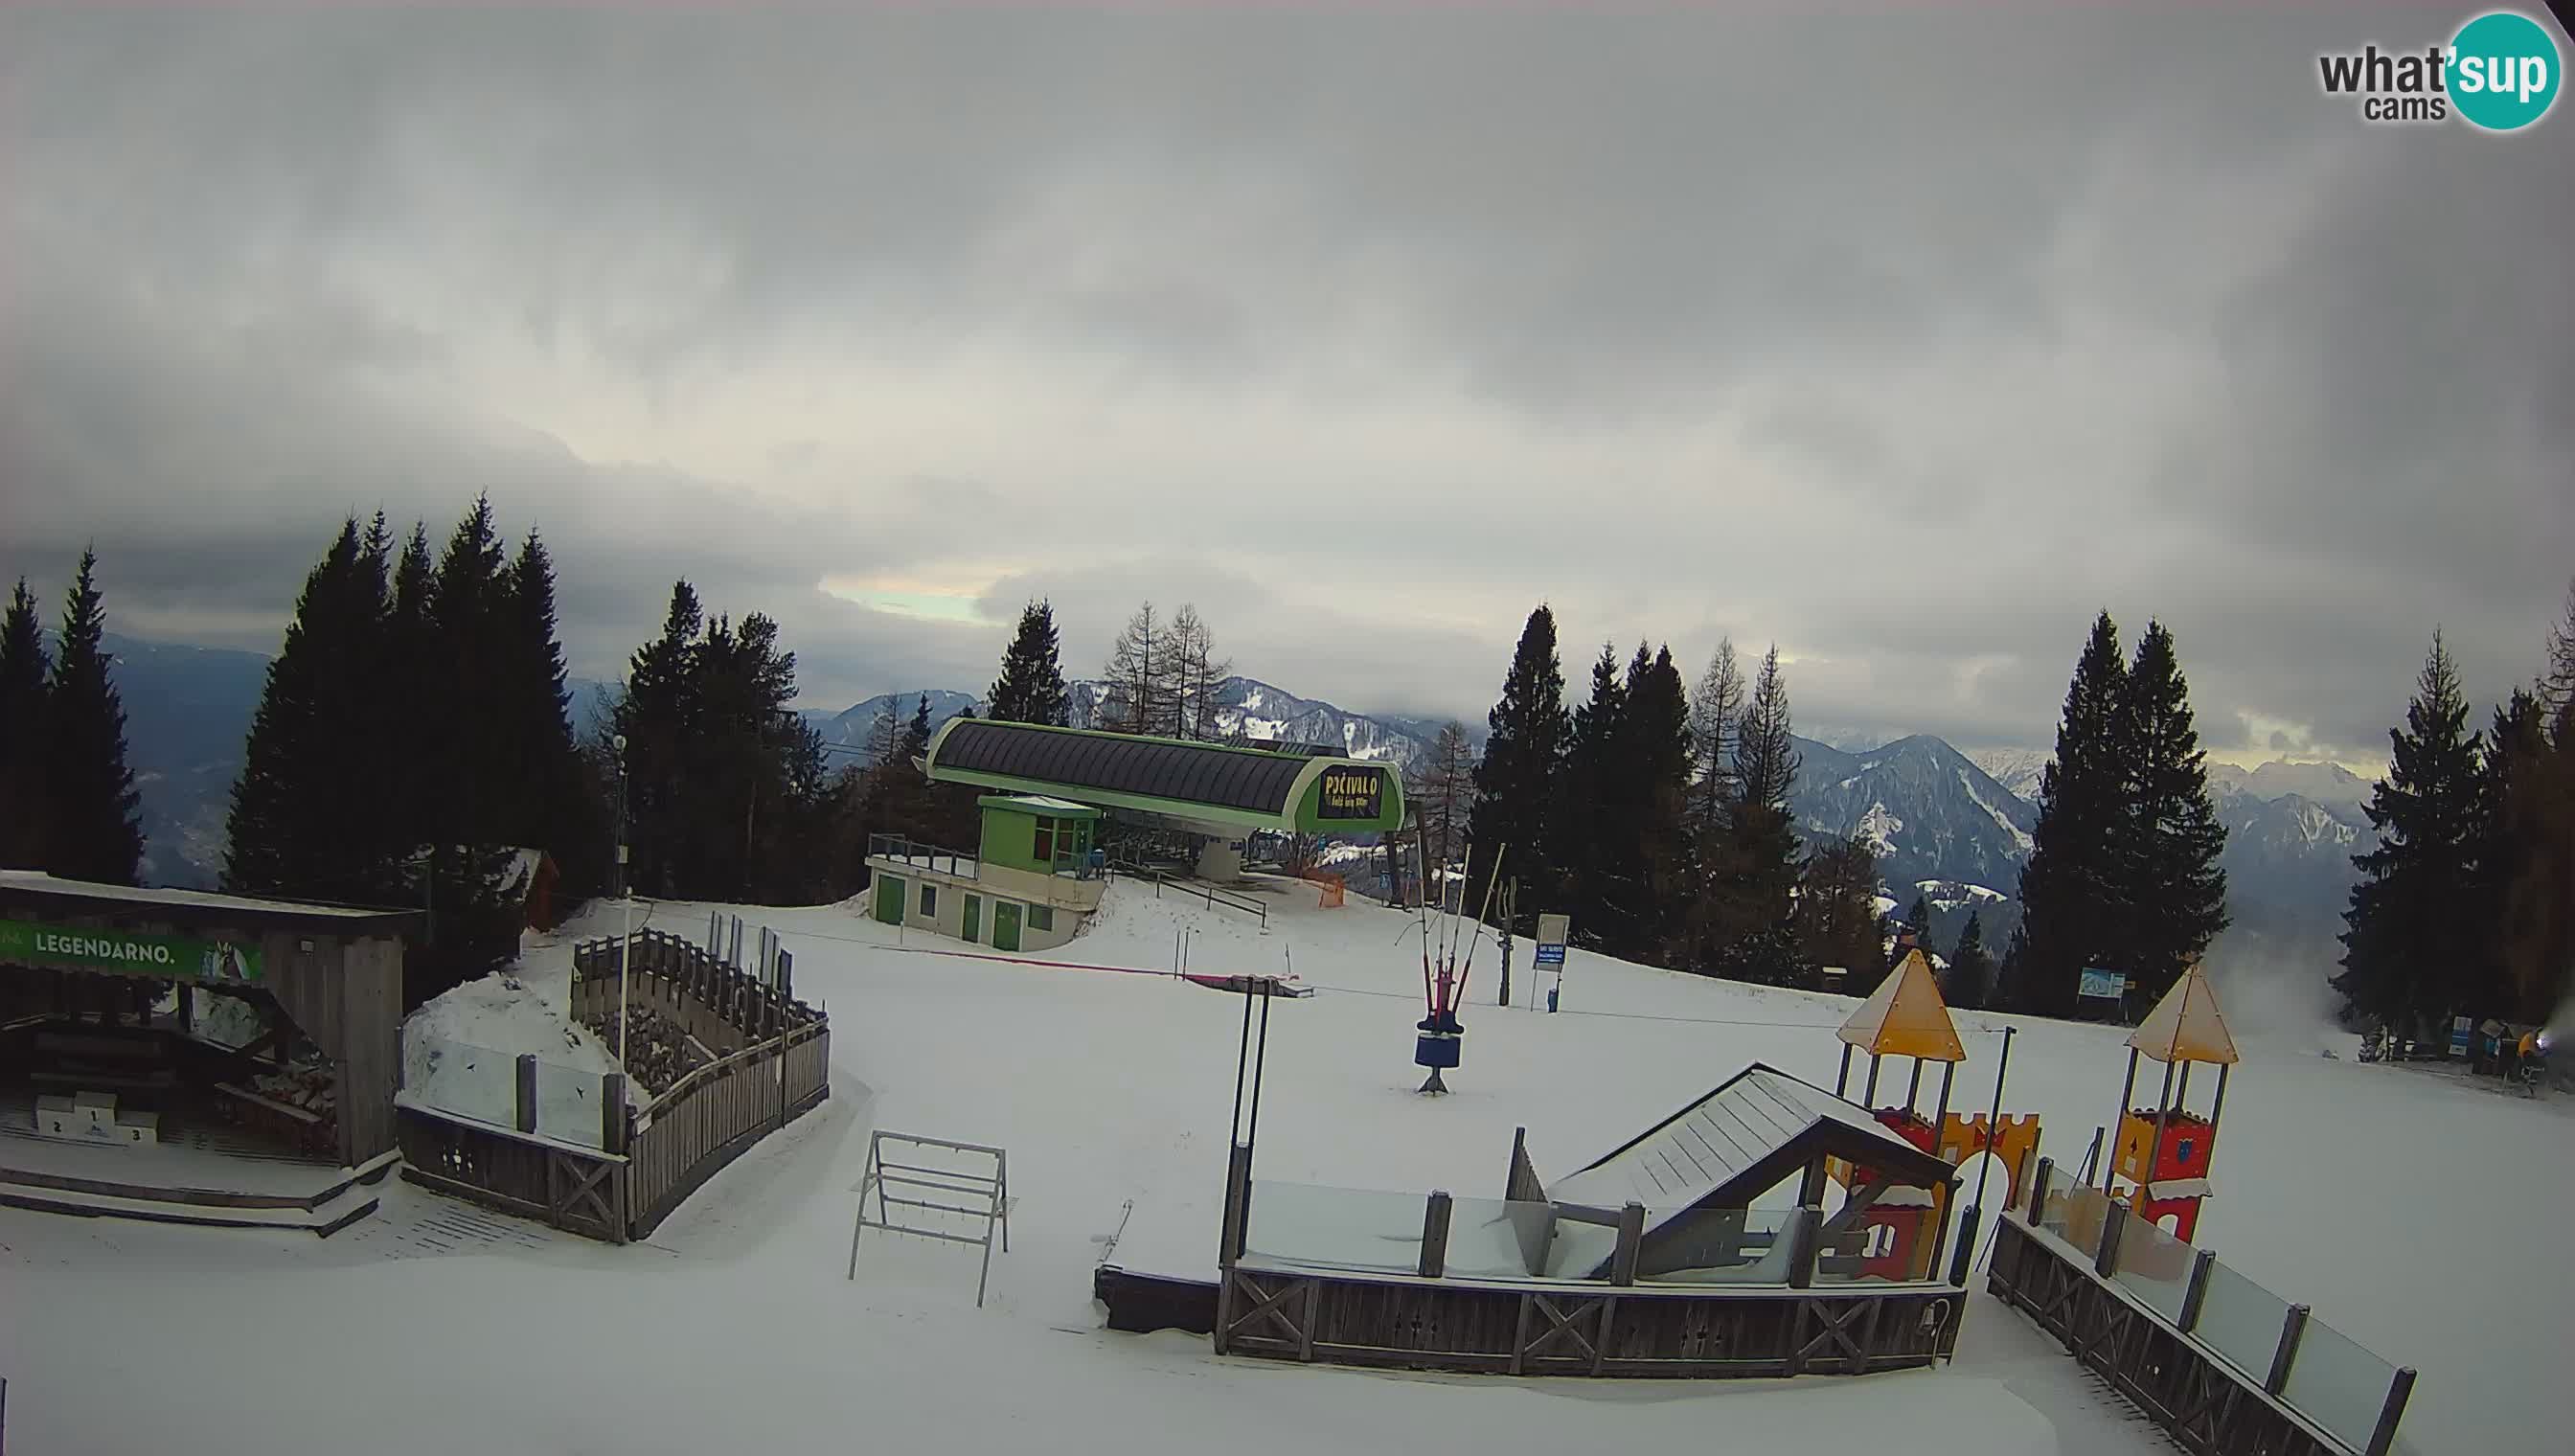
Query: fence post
{"points": [[2383, 1439], [612, 1113], [1435, 1234], [2292, 1328], [2196, 1295], [1632, 1243], [2114, 1226], [1966, 1249], [1805, 1228], [527, 1094], [2039, 1189]]}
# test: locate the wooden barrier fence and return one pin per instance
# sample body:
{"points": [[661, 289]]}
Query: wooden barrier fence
{"points": [[773, 1065]]}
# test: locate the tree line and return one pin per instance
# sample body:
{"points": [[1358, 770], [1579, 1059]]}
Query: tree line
{"points": [[1659, 822], [2466, 906], [68, 804]]}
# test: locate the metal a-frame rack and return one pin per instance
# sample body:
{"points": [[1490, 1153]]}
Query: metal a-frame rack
{"points": [[990, 1190]]}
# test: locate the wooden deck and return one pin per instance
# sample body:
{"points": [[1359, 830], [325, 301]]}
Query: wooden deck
{"points": [[202, 1172]]}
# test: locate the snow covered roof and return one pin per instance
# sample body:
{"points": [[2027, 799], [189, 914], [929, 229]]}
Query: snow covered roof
{"points": [[1735, 1142], [1038, 804], [1905, 1017], [200, 904], [2185, 1024]]}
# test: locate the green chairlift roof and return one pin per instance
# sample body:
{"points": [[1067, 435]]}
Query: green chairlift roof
{"points": [[1214, 785]]}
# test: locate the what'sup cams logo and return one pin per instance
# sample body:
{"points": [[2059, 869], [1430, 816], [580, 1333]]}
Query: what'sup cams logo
{"points": [[2499, 73]]}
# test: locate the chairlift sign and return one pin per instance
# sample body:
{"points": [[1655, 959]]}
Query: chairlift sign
{"points": [[1352, 792], [2103, 986], [129, 953]]}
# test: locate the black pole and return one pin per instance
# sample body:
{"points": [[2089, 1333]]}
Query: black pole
{"points": [[2127, 1088], [1242, 1064], [1841, 1077], [1260, 1067], [1994, 1120]]}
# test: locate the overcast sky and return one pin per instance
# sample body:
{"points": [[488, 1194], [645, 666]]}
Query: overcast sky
{"points": [[1905, 341]]}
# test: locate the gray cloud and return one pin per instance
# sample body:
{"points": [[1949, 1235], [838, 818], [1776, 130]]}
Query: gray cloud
{"points": [[1907, 341]]}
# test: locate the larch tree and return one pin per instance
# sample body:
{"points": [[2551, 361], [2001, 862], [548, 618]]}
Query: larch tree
{"points": [[1442, 793]]}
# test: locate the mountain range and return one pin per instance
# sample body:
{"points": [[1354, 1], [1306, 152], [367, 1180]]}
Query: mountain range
{"points": [[1952, 826]]}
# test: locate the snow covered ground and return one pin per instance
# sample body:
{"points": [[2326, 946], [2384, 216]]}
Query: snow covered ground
{"points": [[2418, 1215]]}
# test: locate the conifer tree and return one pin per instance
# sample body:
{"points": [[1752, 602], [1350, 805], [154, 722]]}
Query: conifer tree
{"points": [[1837, 915], [1657, 759], [2412, 954], [1517, 783], [95, 833], [551, 808], [2168, 836], [1030, 687], [1596, 817], [25, 673], [1918, 918], [915, 738], [2006, 989], [655, 714], [1971, 972], [2531, 862], [408, 715], [305, 820], [475, 774], [2073, 913]]}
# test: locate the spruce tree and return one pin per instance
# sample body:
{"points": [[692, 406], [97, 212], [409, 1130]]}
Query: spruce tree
{"points": [[476, 776], [1918, 919], [1658, 758], [552, 809], [96, 833], [655, 714], [1970, 974], [1030, 687], [1596, 818], [2168, 837], [408, 713], [2412, 956], [916, 736], [304, 819], [2530, 862], [2008, 990], [2071, 888], [25, 670], [1516, 788]]}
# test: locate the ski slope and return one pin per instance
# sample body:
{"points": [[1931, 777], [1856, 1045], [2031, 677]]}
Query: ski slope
{"points": [[2417, 1215]]}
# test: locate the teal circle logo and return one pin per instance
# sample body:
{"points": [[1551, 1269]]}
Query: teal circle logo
{"points": [[2503, 71]]}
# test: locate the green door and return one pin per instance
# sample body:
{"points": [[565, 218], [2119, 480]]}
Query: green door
{"points": [[1006, 924], [890, 899], [974, 917]]}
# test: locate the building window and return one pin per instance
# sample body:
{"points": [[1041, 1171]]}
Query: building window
{"points": [[930, 900], [1045, 841], [1040, 917]]}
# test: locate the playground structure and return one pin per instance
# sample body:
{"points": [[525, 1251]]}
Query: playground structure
{"points": [[2158, 1164], [1903, 1231]]}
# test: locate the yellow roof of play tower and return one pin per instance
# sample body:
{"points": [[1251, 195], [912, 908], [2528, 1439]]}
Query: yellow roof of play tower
{"points": [[2185, 1024], [1905, 1017]]}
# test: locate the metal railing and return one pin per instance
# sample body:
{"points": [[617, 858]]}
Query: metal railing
{"points": [[2355, 1397], [925, 857]]}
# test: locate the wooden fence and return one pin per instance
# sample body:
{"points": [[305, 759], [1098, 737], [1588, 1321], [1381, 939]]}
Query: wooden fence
{"points": [[773, 1065]]}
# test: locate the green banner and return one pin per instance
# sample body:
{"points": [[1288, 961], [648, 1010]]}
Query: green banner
{"points": [[128, 952]]}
